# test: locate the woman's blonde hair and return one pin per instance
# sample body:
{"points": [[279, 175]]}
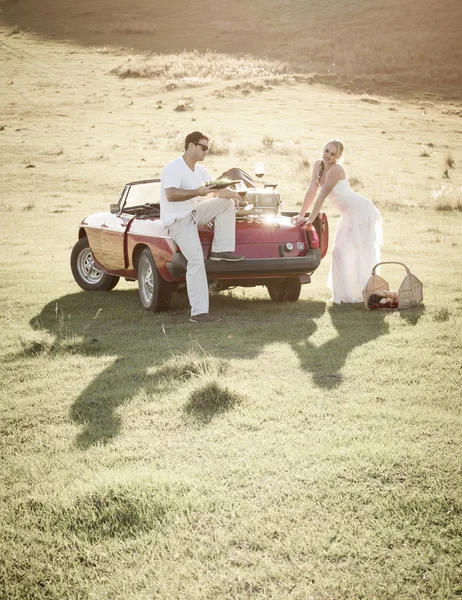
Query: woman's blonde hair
{"points": [[340, 148]]}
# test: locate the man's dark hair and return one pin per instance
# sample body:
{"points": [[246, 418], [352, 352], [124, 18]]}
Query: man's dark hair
{"points": [[194, 138]]}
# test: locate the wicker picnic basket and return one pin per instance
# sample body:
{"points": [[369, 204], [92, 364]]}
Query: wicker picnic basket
{"points": [[410, 291]]}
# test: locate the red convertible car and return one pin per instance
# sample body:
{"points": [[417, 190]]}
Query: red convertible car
{"points": [[130, 242]]}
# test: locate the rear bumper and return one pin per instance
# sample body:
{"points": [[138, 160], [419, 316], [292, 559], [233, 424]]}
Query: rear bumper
{"points": [[265, 267]]}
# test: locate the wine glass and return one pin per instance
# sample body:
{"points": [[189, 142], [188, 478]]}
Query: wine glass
{"points": [[259, 169]]}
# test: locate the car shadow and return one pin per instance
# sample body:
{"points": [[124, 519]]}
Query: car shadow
{"points": [[102, 324]]}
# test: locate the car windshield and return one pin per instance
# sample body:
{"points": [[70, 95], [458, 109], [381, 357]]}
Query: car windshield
{"points": [[144, 192]]}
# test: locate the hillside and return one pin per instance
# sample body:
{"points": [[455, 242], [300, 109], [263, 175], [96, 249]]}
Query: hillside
{"points": [[386, 47]]}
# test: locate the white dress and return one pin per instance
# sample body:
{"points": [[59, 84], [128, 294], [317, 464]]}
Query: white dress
{"points": [[357, 242]]}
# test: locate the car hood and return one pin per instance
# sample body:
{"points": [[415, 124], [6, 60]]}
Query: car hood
{"points": [[96, 220]]}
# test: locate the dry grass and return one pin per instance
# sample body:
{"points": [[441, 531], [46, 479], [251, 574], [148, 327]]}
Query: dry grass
{"points": [[450, 162], [448, 198], [424, 153], [191, 69]]}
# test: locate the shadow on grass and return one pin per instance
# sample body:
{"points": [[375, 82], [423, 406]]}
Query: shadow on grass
{"points": [[354, 327], [146, 351], [295, 324], [112, 334]]}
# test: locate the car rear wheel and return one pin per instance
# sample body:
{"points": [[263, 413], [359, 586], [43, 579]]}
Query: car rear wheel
{"points": [[282, 290], [155, 292], [85, 273]]}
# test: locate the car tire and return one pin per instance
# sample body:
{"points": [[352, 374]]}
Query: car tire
{"points": [[85, 273], [284, 290], [155, 292]]}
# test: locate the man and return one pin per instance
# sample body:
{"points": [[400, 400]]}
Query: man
{"points": [[183, 209]]}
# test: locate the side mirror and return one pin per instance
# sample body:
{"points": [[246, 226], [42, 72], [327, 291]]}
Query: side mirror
{"points": [[114, 208]]}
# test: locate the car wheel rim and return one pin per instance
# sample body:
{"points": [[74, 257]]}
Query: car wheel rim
{"points": [[146, 281], [87, 269]]}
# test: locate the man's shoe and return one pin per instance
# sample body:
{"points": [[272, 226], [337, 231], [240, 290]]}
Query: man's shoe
{"points": [[204, 318], [229, 256]]}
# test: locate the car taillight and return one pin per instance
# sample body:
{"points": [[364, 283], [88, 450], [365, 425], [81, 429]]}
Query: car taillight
{"points": [[312, 238]]}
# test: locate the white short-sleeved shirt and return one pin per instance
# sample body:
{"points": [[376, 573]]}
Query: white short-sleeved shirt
{"points": [[177, 174]]}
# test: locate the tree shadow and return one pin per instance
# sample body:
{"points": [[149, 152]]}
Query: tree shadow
{"points": [[95, 408], [150, 361]]}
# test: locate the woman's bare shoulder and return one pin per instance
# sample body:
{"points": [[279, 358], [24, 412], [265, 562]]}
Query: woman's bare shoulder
{"points": [[337, 171]]}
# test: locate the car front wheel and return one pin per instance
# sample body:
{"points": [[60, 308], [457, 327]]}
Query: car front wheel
{"points": [[155, 292], [283, 290], [85, 273]]}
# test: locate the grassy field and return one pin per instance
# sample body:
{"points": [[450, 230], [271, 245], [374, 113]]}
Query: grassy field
{"points": [[291, 451]]}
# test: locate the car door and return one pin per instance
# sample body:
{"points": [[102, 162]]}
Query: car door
{"points": [[113, 234], [135, 197]]}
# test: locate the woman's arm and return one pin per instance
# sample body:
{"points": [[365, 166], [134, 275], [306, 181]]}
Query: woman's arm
{"points": [[309, 195], [333, 176]]}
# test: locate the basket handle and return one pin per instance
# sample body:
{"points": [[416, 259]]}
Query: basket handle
{"points": [[408, 272]]}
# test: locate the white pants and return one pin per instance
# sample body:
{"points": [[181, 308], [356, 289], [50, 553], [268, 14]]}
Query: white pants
{"points": [[184, 232]]}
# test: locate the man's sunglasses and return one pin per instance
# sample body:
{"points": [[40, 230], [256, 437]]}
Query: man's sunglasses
{"points": [[204, 147]]}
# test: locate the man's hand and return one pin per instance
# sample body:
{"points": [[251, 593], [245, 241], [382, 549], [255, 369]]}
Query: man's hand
{"points": [[204, 190]]}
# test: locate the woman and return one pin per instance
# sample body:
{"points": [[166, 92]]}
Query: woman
{"points": [[358, 237]]}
